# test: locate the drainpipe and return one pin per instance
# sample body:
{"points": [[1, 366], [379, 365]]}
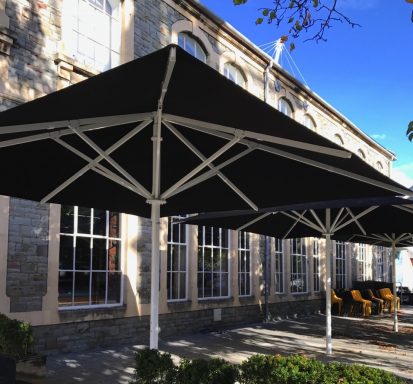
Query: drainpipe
{"points": [[266, 80]]}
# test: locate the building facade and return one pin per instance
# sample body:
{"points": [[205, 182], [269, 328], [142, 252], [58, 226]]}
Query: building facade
{"points": [[81, 276]]}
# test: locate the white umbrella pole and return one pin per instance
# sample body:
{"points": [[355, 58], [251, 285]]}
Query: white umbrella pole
{"points": [[329, 345], [395, 320]]}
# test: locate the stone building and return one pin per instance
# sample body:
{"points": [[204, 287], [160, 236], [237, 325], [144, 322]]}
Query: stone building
{"points": [[81, 276]]}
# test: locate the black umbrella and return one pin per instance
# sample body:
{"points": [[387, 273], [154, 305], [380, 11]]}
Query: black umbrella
{"points": [[376, 221], [166, 135]]}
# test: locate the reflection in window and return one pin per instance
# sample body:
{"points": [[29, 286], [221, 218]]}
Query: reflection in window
{"points": [[177, 261], [89, 259], [285, 107], [298, 276], [213, 262], [233, 73], [91, 32], [316, 265], [244, 264], [279, 266], [189, 44], [340, 265], [309, 122], [379, 256]]}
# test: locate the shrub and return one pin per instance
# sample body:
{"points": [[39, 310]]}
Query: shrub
{"points": [[16, 338], [152, 366], [199, 371]]}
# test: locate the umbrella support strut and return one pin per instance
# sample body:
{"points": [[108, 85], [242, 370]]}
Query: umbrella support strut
{"points": [[395, 319], [329, 346]]}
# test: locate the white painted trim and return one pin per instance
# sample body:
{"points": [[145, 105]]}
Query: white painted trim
{"points": [[4, 246]]}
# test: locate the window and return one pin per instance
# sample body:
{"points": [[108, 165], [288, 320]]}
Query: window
{"points": [[379, 255], [316, 265], [91, 32], [89, 261], [176, 274], [340, 265], [379, 166], [361, 154], [309, 122], [189, 44], [279, 266], [298, 277], [213, 263], [338, 139], [233, 73], [244, 264], [285, 107], [362, 262]]}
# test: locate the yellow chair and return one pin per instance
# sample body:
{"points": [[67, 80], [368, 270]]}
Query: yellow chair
{"points": [[387, 296], [380, 302], [337, 300], [366, 304]]}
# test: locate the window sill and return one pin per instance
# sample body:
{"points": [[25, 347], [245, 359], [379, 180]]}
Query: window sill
{"points": [[184, 304], [215, 300], [71, 70], [246, 299], [69, 313]]}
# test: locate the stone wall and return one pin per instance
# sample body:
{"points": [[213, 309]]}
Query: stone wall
{"points": [[27, 259], [78, 336]]}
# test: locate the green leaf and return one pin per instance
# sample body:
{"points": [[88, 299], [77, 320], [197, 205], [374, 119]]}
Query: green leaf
{"points": [[273, 15], [291, 19], [259, 21], [292, 47], [315, 3], [265, 12], [298, 26], [292, 3], [239, 2]]}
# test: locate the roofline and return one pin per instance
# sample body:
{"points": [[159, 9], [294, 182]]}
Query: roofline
{"points": [[267, 58]]}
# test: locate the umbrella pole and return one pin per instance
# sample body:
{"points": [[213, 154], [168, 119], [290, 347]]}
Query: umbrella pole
{"points": [[395, 320], [329, 346]]}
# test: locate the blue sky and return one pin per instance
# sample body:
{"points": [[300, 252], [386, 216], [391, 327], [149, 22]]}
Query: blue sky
{"points": [[366, 73]]}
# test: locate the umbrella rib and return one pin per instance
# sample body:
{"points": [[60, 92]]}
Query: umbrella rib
{"points": [[96, 161], [310, 162], [338, 219], [321, 224], [207, 175], [198, 153], [105, 155], [299, 218], [404, 208], [259, 218], [354, 218], [201, 166], [102, 122], [194, 124], [102, 170]]}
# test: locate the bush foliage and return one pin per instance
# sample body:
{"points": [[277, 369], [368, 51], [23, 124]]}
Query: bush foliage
{"points": [[16, 337], [155, 367]]}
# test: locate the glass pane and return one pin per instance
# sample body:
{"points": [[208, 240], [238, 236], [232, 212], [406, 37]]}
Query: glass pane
{"points": [[66, 252], [175, 285], [182, 285], [84, 220], [216, 284], [114, 287], [113, 224], [207, 259], [207, 284], [200, 284], [67, 219], [99, 222], [224, 260], [175, 233], [182, 258], [248, 262], [99, 254], [200, 260], [98, 295], [114, 255], [208, 236], [224, 237], [247, 285], [174, 257], [65, 288], [82, 253], [81, 295], [168, 285]]}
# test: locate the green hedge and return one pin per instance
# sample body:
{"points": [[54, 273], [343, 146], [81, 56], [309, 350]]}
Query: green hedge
{"points": [[153, 367], [16, 337]]}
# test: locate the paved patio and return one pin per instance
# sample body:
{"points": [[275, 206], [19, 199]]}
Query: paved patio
{"points": [[364, 341]]}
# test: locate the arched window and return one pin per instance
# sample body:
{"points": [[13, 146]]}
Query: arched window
{"points": [[361, 154], [91, 32], [191, 45], [379, 166], [309, 122], [338, 139], [233, 73], [285, 107]]}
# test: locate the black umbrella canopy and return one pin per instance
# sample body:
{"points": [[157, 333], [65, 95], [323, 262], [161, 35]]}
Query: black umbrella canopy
{"points": [[111, 105], [368, 221]]}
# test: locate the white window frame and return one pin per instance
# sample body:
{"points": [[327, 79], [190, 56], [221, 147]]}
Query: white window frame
{"points": [[216, 250], [340, 273], [92, 236], [279, 266], [362, 261], [300, 258], [74, 30], [185, 38], [179, 243], [316, 266], [244, 252]]}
